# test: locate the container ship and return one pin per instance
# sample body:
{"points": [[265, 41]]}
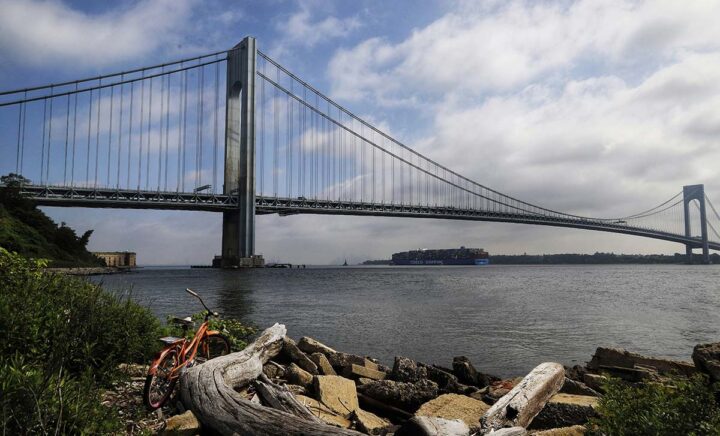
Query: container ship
{"points": [[448, 256]]}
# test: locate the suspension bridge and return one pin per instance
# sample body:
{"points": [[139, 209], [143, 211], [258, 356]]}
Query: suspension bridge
{"points": [[236, 132]]}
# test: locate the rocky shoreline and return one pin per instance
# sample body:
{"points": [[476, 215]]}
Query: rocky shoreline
{"points": [[357, 394], [90, 271]]}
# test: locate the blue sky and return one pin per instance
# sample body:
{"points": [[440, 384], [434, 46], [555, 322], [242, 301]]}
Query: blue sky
{"points": [[600, 108]]}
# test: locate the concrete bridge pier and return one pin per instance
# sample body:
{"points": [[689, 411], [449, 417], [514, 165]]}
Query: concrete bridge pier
{"points": [[238, 238], [692, 193]]}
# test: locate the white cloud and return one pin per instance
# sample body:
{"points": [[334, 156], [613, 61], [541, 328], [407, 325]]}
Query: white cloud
{"points": [[51, 33], [304, 29]]}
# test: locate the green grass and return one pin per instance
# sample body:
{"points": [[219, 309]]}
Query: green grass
{"points": [[63, 339], [682, 407]]}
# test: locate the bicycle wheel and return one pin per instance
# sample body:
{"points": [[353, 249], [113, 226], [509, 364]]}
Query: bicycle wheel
{"points": [[160, 385], [213, 346]]}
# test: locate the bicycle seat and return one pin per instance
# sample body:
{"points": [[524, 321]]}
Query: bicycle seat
{"points": [[183, 321], [169, 340]]}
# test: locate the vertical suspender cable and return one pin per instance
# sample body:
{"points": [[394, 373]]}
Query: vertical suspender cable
{"points": [[149, 136], [110, 130], [130, 131], [142, 138], [162, 127], [215, 126], [97, 136], [184, 129], [72, 168], [49, 146], [262, 133], [167, 132], [67, 137], [87, 161], [120, 130]]}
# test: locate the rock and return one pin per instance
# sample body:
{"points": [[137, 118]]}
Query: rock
{"points": [[564, 410], [407, 370], [635, 375], [182, 425], [617, 357], [453, 406], [340, 360], [575, 430], [363, 381], [707, 359], [298, 376], [310, 346], [509, 431], [526, 399], [356, 371], [500, 388], [467, 374], [577, 388], [273, 370], [323, 412], [576, 372], [464, 370], [369, 363], [291, 350], [406, 396], [337, 393], [595, 381], [430, 426], [369, 422], [322, 363], [443, 377]]}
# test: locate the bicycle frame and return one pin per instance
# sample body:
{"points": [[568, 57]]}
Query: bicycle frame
{"points": [[186, 350]]}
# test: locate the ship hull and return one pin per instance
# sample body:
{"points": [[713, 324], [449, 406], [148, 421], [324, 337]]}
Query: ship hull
{"points": [[420, 262]]}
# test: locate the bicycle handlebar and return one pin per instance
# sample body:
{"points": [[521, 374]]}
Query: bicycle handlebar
{"points": [[195, 294]]}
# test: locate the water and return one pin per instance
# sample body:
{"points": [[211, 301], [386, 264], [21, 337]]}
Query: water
{"points": [[507, 319]]}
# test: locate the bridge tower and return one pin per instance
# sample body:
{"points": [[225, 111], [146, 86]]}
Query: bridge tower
{"points": [[238, 238], [691, 193]]}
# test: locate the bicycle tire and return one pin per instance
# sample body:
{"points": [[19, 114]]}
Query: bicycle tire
{"points": [[214, 345], [168, 385]]}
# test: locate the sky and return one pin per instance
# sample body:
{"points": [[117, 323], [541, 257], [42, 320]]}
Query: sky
{"points": [[599, 108]]}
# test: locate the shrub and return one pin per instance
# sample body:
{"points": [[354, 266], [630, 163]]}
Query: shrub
{"points": [[237, 332], [63, 339], [682, 407]]}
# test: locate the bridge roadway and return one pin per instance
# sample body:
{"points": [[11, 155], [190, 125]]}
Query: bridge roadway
{"points": [[202, 201]]}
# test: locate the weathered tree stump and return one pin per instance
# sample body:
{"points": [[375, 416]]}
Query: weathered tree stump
{"points": [[208, 390]]}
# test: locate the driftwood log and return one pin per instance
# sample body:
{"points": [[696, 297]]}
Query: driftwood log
{"points": [[208, 390], [519, 406]]}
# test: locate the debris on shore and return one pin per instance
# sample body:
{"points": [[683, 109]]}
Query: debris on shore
{"points": [[279, 386]]}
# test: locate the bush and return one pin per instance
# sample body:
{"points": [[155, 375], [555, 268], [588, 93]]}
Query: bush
{"points": [[63, 339], [237, 332], [683, 407]]}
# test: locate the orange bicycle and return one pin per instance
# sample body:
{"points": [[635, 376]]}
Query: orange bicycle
{"points": [[180, 353]]}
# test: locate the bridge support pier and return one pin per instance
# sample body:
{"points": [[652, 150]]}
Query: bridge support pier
{"points": [[238, 238], [691, 193]]}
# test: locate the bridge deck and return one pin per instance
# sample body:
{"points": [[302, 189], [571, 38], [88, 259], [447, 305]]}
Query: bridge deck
{"points": [[139, 199]]}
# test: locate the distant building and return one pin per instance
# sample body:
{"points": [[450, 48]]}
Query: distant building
{"points": [[117, 258]]}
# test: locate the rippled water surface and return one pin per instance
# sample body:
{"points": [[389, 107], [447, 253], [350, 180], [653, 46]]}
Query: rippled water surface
{"points": [[506, 319]]}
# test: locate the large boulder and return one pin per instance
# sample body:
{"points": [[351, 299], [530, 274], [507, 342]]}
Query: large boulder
{"points": [[564, 410], [299, 376], [337, 393], [467, 374], [613, 358], [577, 388], [322, 363], [357, 371], [453, 406], [340, 360], [369, 422], [707, 359], [407, 370], [292, 352], [185, 424], [406, 396], [327, 415], [310, 346], [432, 426], [575, 430]]}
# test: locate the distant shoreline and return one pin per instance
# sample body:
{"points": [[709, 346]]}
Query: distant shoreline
{"points": [[583, 259], [89, 271]]}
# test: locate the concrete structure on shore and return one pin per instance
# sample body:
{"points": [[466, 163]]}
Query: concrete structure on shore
{"points": [[118, 258]]}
